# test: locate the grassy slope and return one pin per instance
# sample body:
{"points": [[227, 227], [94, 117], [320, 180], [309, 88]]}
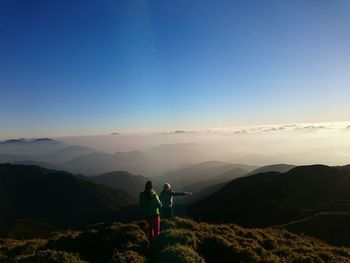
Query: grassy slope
{"points": [[333, 227], [181, 240]]}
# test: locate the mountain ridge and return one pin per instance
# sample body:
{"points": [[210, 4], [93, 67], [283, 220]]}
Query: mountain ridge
{"points": [[55, 197], [275, 198]]}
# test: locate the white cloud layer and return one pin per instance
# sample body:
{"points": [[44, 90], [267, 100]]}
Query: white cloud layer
{"points": [[296, 143]]}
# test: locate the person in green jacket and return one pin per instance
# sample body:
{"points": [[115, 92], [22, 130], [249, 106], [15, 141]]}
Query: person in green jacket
{"points": [[151, 204]]}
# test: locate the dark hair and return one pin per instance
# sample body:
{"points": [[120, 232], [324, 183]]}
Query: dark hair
{"points": [[148, 189]]}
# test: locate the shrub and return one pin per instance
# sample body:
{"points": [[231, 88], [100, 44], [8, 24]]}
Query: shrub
{"points": [[98, 242], [218, 249], [186, 223], [127, 256], [51, 256], [171, 237], [179, 254], [11, 247]]}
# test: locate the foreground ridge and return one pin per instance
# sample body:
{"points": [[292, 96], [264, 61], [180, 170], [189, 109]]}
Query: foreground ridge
{"points": [[181, 240]]}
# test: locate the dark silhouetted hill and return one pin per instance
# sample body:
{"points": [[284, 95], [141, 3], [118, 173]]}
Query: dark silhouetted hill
{"points": [[344, 168], [14, 142], [55, 197], [37, 163], [44, 141], [133, 184], [275, 198]]}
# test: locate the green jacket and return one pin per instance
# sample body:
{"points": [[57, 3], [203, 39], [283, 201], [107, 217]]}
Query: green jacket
{"points": [[151, 205]]}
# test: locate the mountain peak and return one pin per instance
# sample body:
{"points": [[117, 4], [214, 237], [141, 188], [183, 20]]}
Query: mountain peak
{"points": [[315, 168], [44, 140], [35, 140], [15, 141]]}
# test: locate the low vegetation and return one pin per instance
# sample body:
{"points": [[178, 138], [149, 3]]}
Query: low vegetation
{"points": [[332, 227], [181, 240]]}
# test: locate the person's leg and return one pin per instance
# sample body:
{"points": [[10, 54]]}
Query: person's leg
{"points": [[162, 212], [157, 225], [151, 228], [167, 212]]}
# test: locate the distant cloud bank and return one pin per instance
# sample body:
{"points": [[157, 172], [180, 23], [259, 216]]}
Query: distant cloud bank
{"points": [[244, 130]]}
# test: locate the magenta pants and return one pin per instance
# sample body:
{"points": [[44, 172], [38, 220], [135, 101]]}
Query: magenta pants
{"points": [[153, 226]]}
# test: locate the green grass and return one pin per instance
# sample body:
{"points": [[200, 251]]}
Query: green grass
{"points": [[181, 240]]}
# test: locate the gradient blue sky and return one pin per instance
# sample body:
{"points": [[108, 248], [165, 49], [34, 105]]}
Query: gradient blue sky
{"points": [[84, 67]]}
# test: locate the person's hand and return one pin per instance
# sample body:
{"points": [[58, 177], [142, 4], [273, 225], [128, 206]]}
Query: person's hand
{"points": [[188, 193]]}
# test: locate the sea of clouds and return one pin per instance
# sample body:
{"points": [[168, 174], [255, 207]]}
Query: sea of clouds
{"points": [[296, 143]]}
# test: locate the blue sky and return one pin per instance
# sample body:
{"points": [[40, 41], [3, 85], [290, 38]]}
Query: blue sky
{"points": [[83, 67]]}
